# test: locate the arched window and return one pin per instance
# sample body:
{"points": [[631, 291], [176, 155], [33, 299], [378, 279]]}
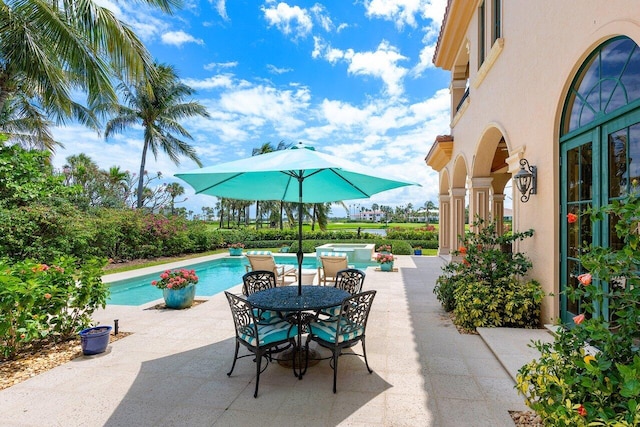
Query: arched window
{"points": [[599, 154], [608, 81]]}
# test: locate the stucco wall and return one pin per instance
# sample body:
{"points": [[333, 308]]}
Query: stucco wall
{"points": [[545, 42]]}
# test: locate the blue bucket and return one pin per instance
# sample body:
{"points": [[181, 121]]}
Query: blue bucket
{"points": [[95, 340]]}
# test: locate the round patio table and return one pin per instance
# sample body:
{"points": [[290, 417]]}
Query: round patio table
{"points": [[286, 299]]}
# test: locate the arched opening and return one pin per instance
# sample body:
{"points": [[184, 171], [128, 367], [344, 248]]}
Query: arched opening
{"points": [[599, 154]]}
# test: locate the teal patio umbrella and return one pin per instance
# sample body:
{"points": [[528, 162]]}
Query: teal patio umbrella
{"points": [[298, 174]]}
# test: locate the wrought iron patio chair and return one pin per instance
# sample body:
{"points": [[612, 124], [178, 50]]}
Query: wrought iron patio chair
{"points": [[345, 330], [259, 280], [262, 340], [350, 280]]}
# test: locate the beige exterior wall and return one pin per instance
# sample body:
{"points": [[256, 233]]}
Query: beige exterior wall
{"points": [[521, 95]]}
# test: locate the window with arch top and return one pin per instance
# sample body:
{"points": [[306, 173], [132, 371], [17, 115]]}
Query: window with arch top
{"points": [[608, 81]]}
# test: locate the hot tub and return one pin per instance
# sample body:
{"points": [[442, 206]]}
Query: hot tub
{"points": [[356, 252]]}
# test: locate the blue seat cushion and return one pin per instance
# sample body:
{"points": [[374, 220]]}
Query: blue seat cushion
{"points": [[267, 316], [326, 330], [269, 333]]}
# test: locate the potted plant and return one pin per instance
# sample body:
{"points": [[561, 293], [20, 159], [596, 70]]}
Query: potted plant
{"points": [[284, 249], [235, 249], [385, 261], [94, 340], [384, 249], [178, 287], [417, 250]]}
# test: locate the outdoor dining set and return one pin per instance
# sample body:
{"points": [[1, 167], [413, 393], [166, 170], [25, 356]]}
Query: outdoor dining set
{"points": [[272, 318]]}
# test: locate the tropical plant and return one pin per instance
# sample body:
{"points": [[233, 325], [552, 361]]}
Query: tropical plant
{"points": [[47, 303], [590, 374], [157, 103], [484, 287], [71, 44]]}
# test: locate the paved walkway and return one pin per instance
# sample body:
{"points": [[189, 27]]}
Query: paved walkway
{"points": [[172, 372]]}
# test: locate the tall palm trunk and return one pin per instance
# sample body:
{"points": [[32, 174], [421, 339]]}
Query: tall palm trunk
{"points": [[143, 163]]}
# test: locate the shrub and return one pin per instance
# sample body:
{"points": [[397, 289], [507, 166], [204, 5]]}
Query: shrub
{"points": [[484, 288], [444, 290], [506, 303], [40, 302], [590, 374]]}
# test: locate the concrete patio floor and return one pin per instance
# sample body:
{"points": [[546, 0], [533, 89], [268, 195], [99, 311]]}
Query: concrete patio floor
{"points": [[172, 371]]}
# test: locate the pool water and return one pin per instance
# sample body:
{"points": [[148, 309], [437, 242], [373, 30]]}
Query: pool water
{"points": [[213, 277]]}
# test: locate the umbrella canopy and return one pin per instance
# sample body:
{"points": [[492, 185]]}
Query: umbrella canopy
{"points": [[299, 174]]}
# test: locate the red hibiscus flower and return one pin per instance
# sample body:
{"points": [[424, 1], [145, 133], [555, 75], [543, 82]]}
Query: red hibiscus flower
{"points": [[571, 218], [578, 319]]}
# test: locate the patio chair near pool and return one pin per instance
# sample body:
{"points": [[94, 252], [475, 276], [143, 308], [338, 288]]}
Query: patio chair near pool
{"points": [[264, 261], [350, 280], [256, 281], [330, 264], [345, 330], [262, 340]]}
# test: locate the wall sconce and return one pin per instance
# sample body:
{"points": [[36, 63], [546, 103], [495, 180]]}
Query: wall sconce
{"points": [[526, 179]]}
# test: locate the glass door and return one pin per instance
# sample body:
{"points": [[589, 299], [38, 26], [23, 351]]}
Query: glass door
{"points": [[577, 195]]}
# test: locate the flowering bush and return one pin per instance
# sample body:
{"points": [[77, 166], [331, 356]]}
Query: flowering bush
{"points": [[485, 288], [41, 303], [176, 279], [384, 248], [236, 245], [384, 258], [589, 374]]}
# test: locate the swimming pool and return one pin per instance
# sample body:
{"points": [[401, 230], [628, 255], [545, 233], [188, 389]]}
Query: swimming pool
{"points": [[214, 276]]}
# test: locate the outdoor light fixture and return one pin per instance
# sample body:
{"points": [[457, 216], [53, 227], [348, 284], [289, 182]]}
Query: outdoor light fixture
{"points": [[525, 180]]}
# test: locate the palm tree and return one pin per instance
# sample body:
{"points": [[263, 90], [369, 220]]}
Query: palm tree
{"points": [[428, 207], [267, 147], [174, 190], [157, 103], [50, 48]]}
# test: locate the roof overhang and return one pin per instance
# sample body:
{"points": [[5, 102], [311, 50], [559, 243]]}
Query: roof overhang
{"points": [[440, 152], [453, 32]]}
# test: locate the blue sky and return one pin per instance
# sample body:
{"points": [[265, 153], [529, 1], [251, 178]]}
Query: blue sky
{"points": [[353, 78]]}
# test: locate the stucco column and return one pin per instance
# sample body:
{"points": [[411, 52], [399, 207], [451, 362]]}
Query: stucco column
{"points": [[479, 199], [444, 234], [497, 212], [457, 216]]}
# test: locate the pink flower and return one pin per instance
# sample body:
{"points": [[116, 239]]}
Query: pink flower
{"points": [[164, 276], [578, 319], [571, 218], [585, 279], [47, 296], [154, 283]]}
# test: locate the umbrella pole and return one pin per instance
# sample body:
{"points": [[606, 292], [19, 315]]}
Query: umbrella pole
{"points": [[300, 254]]}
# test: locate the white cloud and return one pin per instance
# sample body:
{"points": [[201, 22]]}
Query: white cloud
{"points": [[275, 70], [404, 12], [178, 38], [426, 56], [381, 63], [219, 81], [321, 15], [289, 20], [214, 65], [220, 6]]}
